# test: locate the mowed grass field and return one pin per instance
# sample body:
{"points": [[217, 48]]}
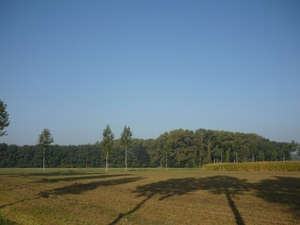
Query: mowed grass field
{"points": [[75, 196]]}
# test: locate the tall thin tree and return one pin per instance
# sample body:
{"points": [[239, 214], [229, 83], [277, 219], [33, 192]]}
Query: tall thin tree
{"points": [[167, 149], [107, 143], [44, 141], [126, 140], [4, 118]]}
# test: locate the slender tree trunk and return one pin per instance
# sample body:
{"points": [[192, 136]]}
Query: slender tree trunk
{"points": [[43, 160], [166, 161], [106, 169], [208, 154], [126, 157], [200, 156], [221, 157]]}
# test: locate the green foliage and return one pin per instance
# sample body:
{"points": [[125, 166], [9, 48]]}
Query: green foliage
{"points": [[44, 141], [4, 118], [107, 142], [178, 149], [126, 140], [227, 155], [126, 136], [108, 137], [261, 156]]}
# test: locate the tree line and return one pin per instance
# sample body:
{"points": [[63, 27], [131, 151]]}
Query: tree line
{"points": [[178, 148], [175, 149]]}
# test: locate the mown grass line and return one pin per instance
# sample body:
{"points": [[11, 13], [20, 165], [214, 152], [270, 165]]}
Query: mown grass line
{"points": [[74, 171]]}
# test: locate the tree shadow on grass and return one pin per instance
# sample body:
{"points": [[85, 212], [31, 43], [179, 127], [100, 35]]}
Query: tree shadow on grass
{"points": [[20, 201], [79, 188], [229, 186], [50, 174], [76, 188], [282, 190], [76, 177], [166, 188]]}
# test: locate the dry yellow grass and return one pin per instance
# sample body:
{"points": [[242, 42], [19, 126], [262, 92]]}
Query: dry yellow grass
{"points": [[151, 197]]}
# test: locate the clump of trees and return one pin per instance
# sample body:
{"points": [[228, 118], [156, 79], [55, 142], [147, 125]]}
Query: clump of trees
{"points": [[193, 149], [175, 149]]}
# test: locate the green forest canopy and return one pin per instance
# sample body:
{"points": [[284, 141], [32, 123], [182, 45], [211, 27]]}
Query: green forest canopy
{"points": [[183, 148]]}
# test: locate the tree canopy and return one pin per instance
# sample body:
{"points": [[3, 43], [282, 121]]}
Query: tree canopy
{"points": [[107, 142], [44, 141], [126, 139], [4, 118], [177, 148]]}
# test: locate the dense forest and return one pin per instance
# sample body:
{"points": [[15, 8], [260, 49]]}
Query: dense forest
{"points": [[178, 148]]}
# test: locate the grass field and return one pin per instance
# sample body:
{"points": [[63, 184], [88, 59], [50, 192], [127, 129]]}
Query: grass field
{"points": [[80, 196]]}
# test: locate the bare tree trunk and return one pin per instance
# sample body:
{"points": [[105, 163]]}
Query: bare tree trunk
{"points": [[221, 157], [43, 160], [126, 157], [166, 161], [106, 169]]}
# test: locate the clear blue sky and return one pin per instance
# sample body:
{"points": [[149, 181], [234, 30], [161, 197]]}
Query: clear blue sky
{"points": [[76, 66]]}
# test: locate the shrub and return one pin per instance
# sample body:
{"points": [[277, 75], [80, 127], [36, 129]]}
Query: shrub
{"points": [[254, 166]]}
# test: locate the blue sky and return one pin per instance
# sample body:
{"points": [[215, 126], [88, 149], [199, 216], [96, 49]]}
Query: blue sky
{"points": [[76, 66]]}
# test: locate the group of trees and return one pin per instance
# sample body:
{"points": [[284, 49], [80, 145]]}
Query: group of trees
{"points": [[45, 139], [185, 148], [178, 148], [174, 149], [74, 156], [107, 142]]}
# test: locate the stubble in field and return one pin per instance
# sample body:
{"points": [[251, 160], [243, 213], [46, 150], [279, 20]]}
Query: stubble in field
{"points": [[151, 197]]}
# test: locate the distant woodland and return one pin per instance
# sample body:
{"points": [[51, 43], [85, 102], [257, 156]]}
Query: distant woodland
{"points": [[177, 148]]}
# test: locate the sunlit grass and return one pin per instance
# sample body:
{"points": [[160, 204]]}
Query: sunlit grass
{"points": [[151, 196]]}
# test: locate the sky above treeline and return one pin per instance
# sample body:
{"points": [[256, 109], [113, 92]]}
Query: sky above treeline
{"points": [[75, 66]]}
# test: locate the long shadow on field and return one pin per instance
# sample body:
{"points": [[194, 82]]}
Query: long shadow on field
{"points": [[76, 177], [50, 174], [282, 190], [20, 201], [78, 188], [230, 186]]}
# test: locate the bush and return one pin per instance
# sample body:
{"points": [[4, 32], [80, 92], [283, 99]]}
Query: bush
{"points": [[254, 166]]}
